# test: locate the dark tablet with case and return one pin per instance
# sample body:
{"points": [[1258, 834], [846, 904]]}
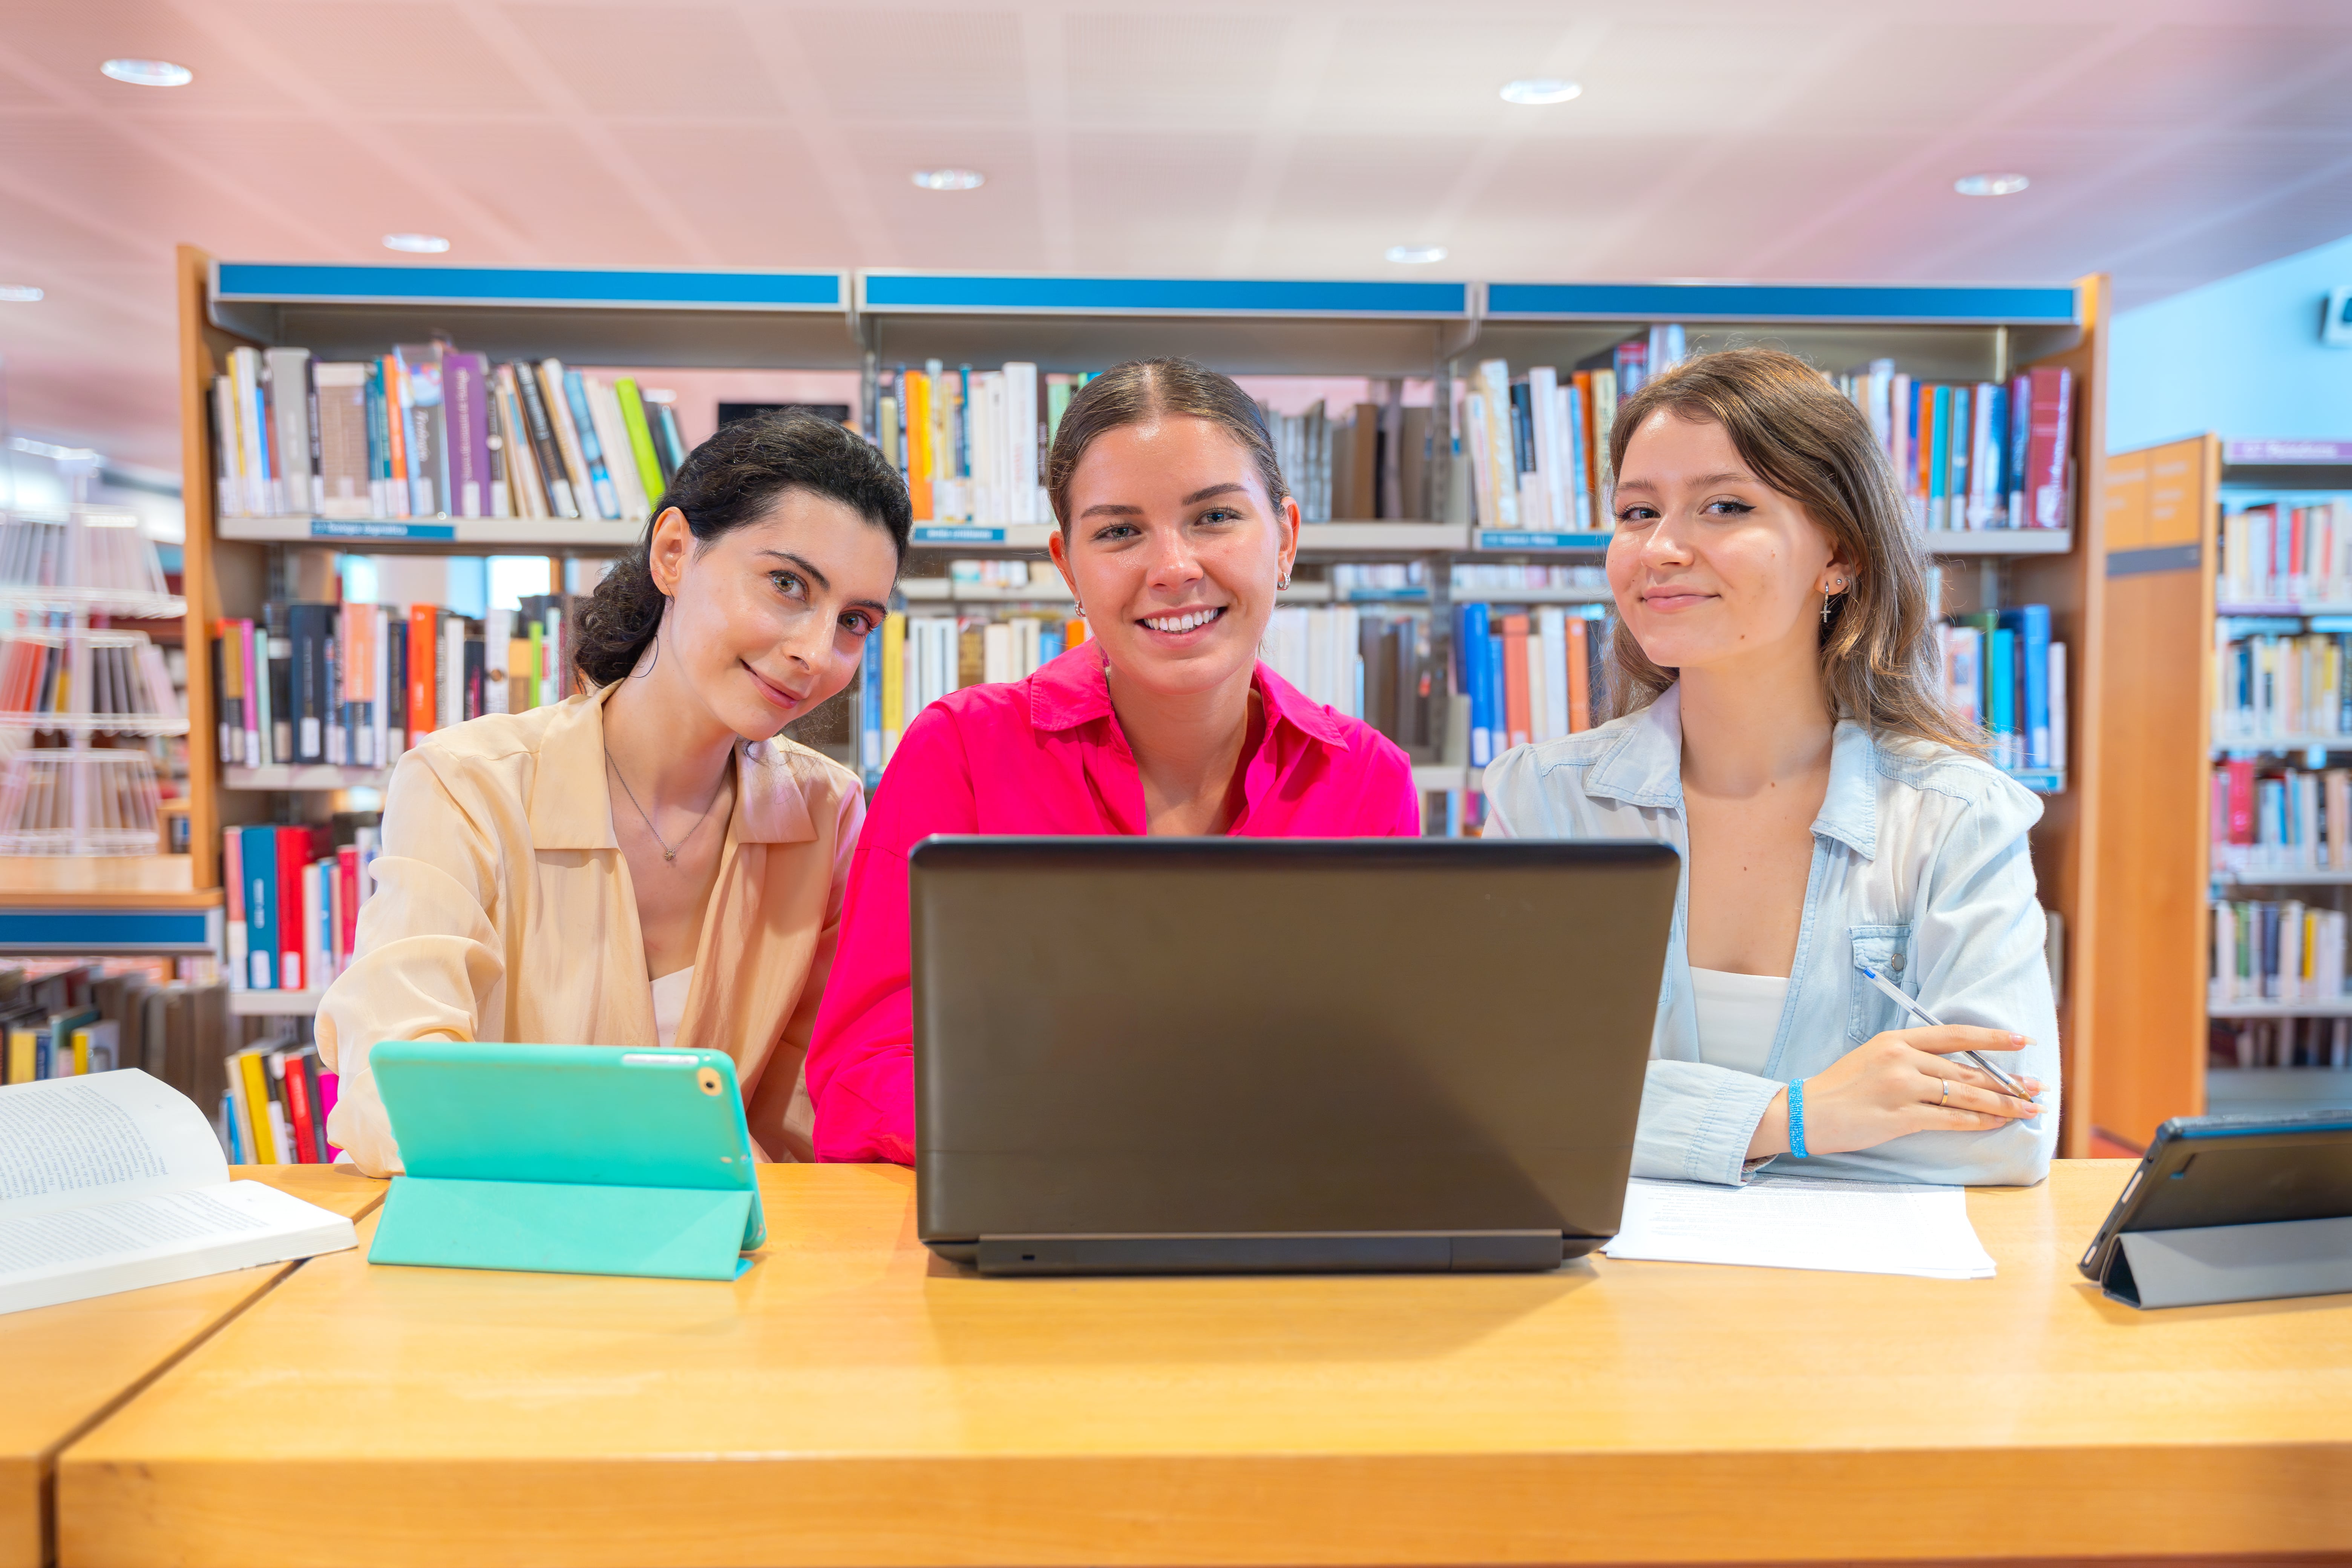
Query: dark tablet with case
{"points": [[2205, 1172]]}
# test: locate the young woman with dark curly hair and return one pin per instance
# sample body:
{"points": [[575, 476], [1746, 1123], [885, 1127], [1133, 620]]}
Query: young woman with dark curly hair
{"points": [[648, 863]]}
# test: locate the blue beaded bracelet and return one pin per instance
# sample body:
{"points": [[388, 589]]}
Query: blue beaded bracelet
{"points": [[1797, 1117]]}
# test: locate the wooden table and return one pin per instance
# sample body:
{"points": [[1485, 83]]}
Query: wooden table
{"points": [[63, 1368], [850, 1401]]}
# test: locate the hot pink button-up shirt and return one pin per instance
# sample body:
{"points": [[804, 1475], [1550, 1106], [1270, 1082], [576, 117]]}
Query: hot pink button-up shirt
{"points": [[1045, 755]]}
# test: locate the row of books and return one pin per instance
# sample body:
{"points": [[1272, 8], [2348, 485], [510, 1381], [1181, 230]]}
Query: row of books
{"points": [[274, 1111], [427, 431], [293, 903], [1529, 676], [1384, 667], [2275, 554], [2284, 951], [971, 443], [1539, 447], [2280, 823], [70, 673], [1008, 574], [95, 548], [2003, 671], [356, 684], [2279, 1043], [910, 662], [1973, 456], [81, 1018], [1368, 462], [2280, 684]]}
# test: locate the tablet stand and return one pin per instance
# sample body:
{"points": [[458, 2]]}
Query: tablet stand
{"points": [[673, 1232], [2231, 1263]]}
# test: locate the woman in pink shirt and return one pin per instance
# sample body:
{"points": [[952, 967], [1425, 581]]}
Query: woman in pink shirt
{"points": [[1176, 530]]}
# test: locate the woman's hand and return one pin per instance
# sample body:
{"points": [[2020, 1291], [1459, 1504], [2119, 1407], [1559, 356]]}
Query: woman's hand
{"points": [[1905, 1081]]}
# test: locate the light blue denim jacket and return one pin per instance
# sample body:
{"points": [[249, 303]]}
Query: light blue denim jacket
{"points": [[1920, 864]]}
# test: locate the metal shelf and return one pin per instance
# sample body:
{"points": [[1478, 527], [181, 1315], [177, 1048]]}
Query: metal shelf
{"points": [[2333, 1007], [2283, 878], [1997, 542], [2280, 745], [273, 1003], [519, 534], [312, 776], [36, 599], [1314, 538], [92, 724]]}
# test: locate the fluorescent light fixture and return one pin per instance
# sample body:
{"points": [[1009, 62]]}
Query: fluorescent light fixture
{"points": [[1416, 255], [417, 244], [1990, 184], [1540, 89], [149, 73], [950, 179], [19, 293]]}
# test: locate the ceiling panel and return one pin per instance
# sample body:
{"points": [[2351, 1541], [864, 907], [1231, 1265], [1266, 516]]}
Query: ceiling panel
{"points": [[651, 61], [754, 194], [2170, 140], [918, 67]]}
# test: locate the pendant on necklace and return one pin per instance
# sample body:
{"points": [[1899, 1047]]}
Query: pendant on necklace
{"points": [[669, 857]]}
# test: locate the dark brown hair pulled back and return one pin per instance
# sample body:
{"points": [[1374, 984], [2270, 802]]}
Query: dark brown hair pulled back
{"points": [[1143, 390], [731, 479], [1878, 653]]}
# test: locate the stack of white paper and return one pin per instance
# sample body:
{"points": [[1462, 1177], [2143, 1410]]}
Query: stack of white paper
{"points": [[1804, 1221]]}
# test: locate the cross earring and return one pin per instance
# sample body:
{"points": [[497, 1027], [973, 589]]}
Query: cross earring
{"points": [[1829, 598]]}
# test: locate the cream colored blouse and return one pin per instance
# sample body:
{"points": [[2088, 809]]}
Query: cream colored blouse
{"points": [[503, 912]]}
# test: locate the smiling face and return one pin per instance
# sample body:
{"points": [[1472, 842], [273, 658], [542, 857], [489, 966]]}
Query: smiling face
{"points": [[1709, 564], [768, 620], [1175, 551]]}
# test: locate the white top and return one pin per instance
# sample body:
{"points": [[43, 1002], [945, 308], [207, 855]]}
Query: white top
{"points": [[669, 1002], [1737, 1017]]}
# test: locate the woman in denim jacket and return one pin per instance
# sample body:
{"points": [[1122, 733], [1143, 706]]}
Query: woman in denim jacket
{"points": [[1781, 724]]}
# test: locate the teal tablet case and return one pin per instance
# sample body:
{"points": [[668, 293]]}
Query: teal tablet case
{"points": [[567, 1160]]}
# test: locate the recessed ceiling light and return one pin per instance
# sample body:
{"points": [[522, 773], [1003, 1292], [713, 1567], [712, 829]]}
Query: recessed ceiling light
{"points": [[1540, 89], [1416, 255], [149, 73], [950, 179], [1990, 184], [19, 293], [417, 244]]}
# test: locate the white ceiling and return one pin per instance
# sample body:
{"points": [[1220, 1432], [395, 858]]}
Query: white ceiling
{"points": [[2169, 142]]}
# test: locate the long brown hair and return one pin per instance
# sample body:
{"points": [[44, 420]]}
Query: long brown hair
{"points": [[1879, 659], [1146, 389]]}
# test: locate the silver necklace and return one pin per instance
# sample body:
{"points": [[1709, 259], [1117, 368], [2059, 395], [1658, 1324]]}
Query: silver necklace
{"points": [[669, 856]]}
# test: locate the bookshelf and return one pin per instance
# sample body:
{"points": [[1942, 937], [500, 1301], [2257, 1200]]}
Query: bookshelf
{"points": [[1428, 334], [2164, 509]]}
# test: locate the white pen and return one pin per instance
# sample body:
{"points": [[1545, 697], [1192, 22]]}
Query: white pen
{"points": [[1916, 1010]]}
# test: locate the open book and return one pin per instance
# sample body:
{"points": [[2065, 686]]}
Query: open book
{"points": [[114, 1181]]}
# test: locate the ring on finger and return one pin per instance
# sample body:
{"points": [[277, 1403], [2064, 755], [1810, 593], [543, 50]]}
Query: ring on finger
{"points": [[1947, 1094]]}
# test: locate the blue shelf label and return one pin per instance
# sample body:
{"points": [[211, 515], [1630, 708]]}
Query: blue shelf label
{"points": [[105, 930], [328, 282], [1594, 541], [369, 528], [986, 292], [958, 533], [1782, 302]]}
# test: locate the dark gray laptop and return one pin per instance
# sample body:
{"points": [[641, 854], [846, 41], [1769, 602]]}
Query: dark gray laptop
{"points": [[1165, 1055]]}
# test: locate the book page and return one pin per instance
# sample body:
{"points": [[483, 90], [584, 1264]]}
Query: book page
{"points": [[71, 1254], [72, 1141]]}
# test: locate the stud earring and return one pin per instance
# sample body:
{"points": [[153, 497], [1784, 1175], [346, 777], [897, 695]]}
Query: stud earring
{"points": [[1284, 581]]}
